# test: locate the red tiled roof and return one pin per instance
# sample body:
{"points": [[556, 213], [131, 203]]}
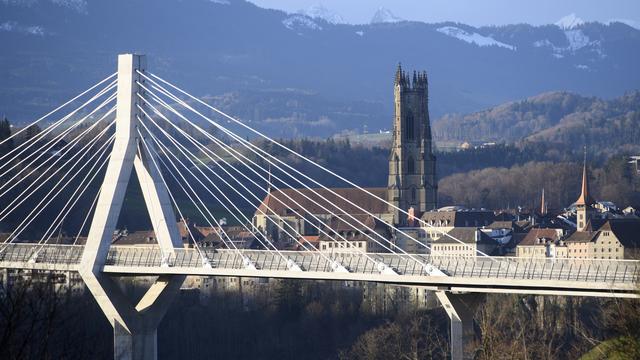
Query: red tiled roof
{"points": [[283, 201]]}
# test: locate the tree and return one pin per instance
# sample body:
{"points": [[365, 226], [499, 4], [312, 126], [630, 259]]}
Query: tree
{"points": [[5, 133]]}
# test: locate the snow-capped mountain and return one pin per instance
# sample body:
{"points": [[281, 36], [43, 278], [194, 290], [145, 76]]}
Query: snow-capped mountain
{"points": [[299, 22], [473, 37], [50, 51], [384, 15], [321, 12], [569, 22]]}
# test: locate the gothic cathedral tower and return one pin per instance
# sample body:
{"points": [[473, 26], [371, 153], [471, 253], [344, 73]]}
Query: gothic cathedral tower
{"points": [[412, 165]]}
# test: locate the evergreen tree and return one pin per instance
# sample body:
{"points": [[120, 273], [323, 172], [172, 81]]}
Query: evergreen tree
{"points": [[5, 133]]}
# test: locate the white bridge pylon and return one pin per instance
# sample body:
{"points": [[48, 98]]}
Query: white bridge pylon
{"points": [[134, 325]]}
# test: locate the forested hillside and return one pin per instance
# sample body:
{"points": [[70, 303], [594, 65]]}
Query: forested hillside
{"points": [[563, 119]]}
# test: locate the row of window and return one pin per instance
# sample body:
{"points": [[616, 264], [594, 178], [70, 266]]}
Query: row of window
{"points": [[331, 245], [594, 250], [451, 248]]}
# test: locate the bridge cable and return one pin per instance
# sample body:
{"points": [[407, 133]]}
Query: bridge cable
{"points": [[184, 151], [54, 111], [34, 140], [165, 149], [86, 218], [293, 188], [253, 147], [203, 257], [189, 156], [29, 219], [213, 139], [153, 151], [171, 172], [251, 180], [205, 151], [50, 144], [79, 191], [226, 148], [22, 196], [295, 154]]}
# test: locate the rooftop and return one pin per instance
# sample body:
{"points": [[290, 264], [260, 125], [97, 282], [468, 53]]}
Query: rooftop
{"points": [[286, 202]]}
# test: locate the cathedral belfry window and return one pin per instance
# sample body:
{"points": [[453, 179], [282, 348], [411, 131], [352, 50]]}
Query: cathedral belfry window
{"points": [[413, 194], [410, 165], [408, 126]]}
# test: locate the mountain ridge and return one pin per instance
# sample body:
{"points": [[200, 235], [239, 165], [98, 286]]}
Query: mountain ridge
{"points": [[214, 48]]}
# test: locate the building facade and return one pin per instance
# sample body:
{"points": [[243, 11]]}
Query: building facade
{"points": [[615, 239], [464, 242], [542, 243]]}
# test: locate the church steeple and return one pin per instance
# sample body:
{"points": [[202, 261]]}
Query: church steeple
{"points": [[585, 197], [584, 208]]}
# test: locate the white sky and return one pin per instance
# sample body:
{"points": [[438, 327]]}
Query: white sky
{"points": [[472, 12]]}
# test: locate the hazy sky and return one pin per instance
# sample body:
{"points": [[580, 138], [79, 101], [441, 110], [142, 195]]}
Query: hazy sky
{"points": [[473, 12]]}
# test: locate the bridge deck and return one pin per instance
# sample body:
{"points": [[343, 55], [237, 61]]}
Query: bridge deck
{"points": [[481, 274]]}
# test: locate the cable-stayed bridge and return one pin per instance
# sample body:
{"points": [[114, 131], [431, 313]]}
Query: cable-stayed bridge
{"points": [[184, 150]]}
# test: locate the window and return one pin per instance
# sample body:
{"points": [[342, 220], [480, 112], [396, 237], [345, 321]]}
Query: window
{"points": [[413, 194], [409, 126], [411, 168]]}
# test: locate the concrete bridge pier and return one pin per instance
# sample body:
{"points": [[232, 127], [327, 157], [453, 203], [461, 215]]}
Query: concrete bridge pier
{"points": [[461, 309], [139, 344]]}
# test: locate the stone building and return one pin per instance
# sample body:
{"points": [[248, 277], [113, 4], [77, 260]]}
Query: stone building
{"points": [[438, 223], [464, 242], [542, 243], [615, 239]]}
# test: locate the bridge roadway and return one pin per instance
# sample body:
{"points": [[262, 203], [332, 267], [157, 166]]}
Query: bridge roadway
{"points": [[548, 276]]}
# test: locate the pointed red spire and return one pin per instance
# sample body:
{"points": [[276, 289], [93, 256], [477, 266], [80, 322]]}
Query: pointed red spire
{"points": [[585, 198]]}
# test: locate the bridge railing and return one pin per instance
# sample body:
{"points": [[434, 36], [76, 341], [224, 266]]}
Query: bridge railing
{"points": [[561, 269], [568, 269], [34, 253]]}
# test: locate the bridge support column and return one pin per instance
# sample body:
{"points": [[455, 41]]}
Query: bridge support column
{"points": [[460, 308], [139, 344], [134, 324]]}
